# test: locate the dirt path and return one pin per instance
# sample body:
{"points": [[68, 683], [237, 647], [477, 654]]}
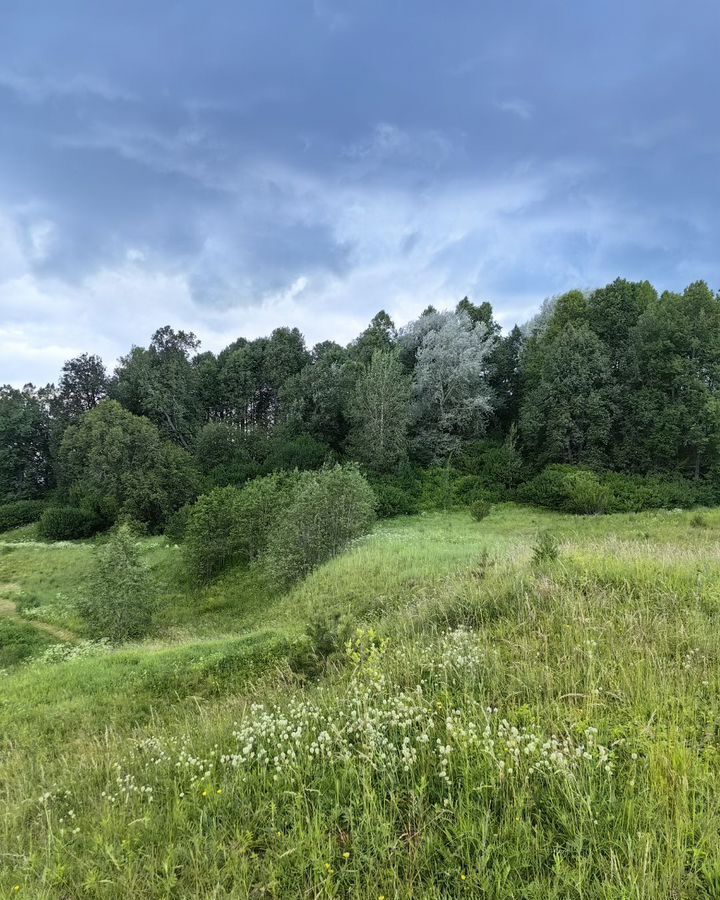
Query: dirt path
{"points": [[8, 609]]}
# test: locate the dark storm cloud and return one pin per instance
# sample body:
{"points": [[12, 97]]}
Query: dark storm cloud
{"points": [[322, 159]]}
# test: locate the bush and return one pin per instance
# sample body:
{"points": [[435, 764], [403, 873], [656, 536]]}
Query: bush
{"points": [[499, 469], [326, 637], [118, 604], [393, 499], [568, 489], [437, 488], [577, 490], [211, 533], [302, 452], [262, 504], [67, 523], [633, 493], [230, 526], [469, 488], [235, 474], [331, 509], [177, 523], [546, 549], [20, 512], [480, 508]]}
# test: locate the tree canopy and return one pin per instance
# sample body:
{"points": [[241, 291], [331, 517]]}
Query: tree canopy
{"points": [[618, 379]]}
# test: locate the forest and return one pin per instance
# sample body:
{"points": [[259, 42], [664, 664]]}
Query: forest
{"points": [[606, 400]]}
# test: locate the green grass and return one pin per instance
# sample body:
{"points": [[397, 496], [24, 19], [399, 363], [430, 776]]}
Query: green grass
{"points": [[19, 641], [148, 772]]}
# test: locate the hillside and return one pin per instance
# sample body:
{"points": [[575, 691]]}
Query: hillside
{"points": [[434, 713]]}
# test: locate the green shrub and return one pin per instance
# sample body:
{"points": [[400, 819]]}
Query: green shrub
{"points": [[327, 634], [230, 526], [480, 508], [582, 491], [302, 452], [212, 539], [499, 468], [177, 523], [20, 512], [568, 489], [546, 549], [443, 487], [393, 498], [634, 493], [67, 523], [331, 508], [326, 637], [469, 488], [235, 474], [262, 504], [698, 520], [397, 493], [119, 601], [437, 488]]}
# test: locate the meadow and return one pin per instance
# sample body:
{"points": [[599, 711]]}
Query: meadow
{"points": [[450, 708]]}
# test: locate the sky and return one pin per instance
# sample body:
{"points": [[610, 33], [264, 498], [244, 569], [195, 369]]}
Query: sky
{"points": [[231, 167]]}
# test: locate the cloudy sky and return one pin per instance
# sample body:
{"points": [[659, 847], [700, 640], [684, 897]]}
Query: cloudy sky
{"points": [[233, 166]]}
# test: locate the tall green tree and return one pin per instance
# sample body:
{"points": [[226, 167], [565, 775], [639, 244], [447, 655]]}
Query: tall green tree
{"points": [[25, 464], [284, 357], [114, 463], [253, 375], [161, 384], [674, 421], [317, 400], [614, 310], [505, 379], [84, 384], [380, 413], [612, 313], [380, 334], [567, 409], [480, 312]]}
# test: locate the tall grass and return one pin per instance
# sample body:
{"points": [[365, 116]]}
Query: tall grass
{"points": [[496, 726]]}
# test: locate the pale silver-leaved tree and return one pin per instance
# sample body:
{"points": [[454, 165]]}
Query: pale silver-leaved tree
{"points": [[451, 395]]}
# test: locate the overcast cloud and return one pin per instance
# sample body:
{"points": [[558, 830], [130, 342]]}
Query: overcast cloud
{"points": [[232, 167]]}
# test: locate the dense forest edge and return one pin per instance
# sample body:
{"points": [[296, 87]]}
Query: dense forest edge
{"points": [[605, 401]]}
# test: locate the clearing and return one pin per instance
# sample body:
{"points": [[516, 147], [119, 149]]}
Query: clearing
{"points": [[435, 713]]}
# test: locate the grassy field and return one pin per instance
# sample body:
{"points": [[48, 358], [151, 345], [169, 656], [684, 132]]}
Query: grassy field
{"points": [[436, 713]]}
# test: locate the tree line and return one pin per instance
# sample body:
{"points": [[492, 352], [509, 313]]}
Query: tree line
{"points": [[621, 379]]}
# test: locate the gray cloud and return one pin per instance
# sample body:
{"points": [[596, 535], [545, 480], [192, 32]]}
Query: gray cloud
{"points": [[309, 163]]}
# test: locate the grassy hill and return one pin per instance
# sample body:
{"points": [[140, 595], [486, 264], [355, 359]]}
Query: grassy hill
{"points": [[436, 713]]}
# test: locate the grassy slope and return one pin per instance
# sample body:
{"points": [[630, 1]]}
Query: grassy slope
{"points": [[620, 635]]}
